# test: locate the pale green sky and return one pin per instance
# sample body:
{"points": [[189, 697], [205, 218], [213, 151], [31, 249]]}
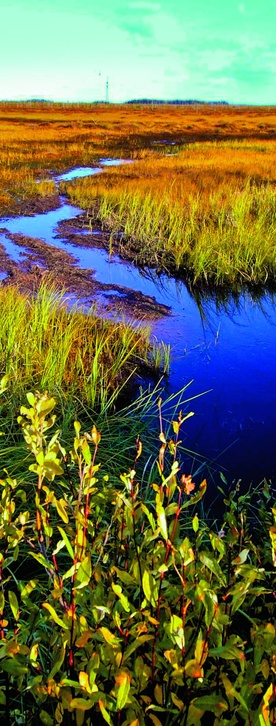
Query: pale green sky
{"points": [[203, 49]]}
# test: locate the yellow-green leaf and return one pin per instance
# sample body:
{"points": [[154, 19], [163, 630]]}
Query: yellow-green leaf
{"points": [[45, 718], [213, 566], [177, 701], [66, 542], [195, 523], [84, 704], [177, 631], [122, 680], [105, 713], [150, 588], [123, 599], [109, 637], [83, 576], [60, 506], [162, 521], [54, 615]]}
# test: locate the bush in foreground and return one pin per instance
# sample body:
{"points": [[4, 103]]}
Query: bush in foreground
{"points": [[123, 611]]}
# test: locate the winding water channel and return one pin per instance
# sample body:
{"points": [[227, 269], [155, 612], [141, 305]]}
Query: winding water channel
{"points": [[230, 353]]}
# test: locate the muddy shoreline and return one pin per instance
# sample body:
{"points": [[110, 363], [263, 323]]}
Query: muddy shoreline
{"points": [[40, 261]]}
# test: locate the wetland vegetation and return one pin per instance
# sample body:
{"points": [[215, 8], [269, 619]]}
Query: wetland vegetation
{"points": [[122, 600], [207, 212]]}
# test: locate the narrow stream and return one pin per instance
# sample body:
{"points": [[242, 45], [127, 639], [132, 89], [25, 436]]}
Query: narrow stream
{"points": [[230, 353]]}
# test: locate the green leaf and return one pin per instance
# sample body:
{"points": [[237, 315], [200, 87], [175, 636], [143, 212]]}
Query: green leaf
{"points": [[162, 522], [105, 713], [51, 466], [60, 507], [54, 615], [201, 649], [2, 601], [171, 509], [41, 559], [231, 691], [66, 542], [86, 451], [186, 552], [177, 631], [177, 701], [4, 384], [14, 604], [58, 661], [229, 652], [213, 703], [2, 698], [83, 704], [25, 590], [31, 398], [69, 682], [109, 637], [123, 599], [46, 719], [124, 576], [155, 720], [136, 644], [213, 566], [149, 587], [176, 427], [83, 575], [45, 405], [123, 681], [194, 716], [195, 523], [149, 516], [77, 427], [13, 666]]}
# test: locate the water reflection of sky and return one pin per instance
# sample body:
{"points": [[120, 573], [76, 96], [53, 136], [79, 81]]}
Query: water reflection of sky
{"points": [[82, 171], [233, 354]]}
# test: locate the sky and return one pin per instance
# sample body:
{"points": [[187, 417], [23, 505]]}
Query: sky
{"points": [[66, 50]]}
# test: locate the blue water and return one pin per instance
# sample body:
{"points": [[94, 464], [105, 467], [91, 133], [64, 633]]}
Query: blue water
{"points": [[231, 354], [89, 170]]}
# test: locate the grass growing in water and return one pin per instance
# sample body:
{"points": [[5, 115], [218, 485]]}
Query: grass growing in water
{"points": [[207, 213]]}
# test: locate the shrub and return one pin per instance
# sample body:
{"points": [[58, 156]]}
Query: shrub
{"points": [[124, 611]]}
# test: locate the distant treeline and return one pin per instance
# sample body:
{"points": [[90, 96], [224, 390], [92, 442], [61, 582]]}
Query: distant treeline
{"points": [[150, 101], [178, 102]]}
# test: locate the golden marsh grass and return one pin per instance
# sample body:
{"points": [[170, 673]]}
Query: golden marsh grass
{"points": [[206, 212]]}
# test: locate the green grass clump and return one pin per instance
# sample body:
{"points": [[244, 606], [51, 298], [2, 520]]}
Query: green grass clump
{"points": [[44, 345]]}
